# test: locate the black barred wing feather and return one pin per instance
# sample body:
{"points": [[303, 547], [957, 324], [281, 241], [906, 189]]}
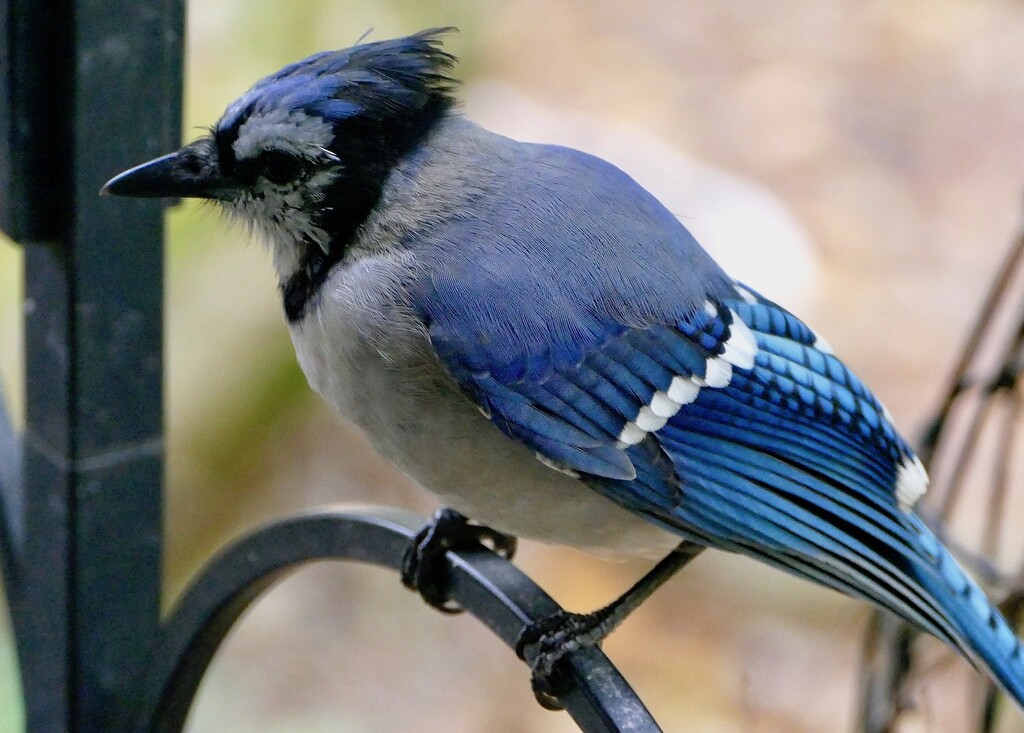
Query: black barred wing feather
{"points": [[738, 428]]}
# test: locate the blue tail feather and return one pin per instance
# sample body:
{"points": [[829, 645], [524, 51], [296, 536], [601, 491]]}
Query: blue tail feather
{"points": [[984, 636], [759, 505], [742, 498], [770, 533]]}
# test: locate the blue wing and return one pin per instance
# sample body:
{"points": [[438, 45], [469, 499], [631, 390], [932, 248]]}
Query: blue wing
{"points": [[617, 350], [734, 425]]}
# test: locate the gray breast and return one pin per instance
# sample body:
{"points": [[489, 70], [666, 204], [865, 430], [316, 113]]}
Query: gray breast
{"points": [[364, 350]]}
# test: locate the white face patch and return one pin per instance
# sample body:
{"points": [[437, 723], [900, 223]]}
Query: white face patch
{"points": [[911, 482], [284, 212], [292, 131]]}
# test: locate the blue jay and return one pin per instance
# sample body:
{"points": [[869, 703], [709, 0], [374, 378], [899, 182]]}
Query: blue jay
{"points": [[533, 337]]}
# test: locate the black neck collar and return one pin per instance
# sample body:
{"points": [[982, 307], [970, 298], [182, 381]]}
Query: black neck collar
{"points": [[350, 201]]}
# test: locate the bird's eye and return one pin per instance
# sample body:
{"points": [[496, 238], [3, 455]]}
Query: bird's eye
{"points": [[278, 166]]}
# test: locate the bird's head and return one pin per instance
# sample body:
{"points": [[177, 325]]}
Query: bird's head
{"points": [[304, 154]]}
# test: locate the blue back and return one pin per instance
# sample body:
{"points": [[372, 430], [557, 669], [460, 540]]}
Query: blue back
{"points": [[568, 253]]}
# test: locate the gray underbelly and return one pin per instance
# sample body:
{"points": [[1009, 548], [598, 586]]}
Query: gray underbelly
{"points": [[372, 361], [474, 468]]}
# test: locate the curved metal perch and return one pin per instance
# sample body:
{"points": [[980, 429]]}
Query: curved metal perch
{"points": [[486, 585]]}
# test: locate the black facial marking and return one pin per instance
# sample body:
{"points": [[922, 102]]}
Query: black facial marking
{"points": [[279, 166], [381, 100], [300, 289], [372, 150], [224, 139], [370, 146]]}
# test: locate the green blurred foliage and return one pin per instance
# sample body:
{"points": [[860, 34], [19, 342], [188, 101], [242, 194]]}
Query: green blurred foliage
{"points": [[12, 710]]}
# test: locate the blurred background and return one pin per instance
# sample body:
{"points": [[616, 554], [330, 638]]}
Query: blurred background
{"points": [[859, 162]]}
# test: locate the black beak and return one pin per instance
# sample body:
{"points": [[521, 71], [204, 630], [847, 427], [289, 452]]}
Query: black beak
{"points": [[192, 172]]}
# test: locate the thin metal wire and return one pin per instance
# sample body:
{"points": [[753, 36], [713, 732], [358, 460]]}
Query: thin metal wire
{"points": [[980, 331], [979, 400], [991, 542], [937, 442]]}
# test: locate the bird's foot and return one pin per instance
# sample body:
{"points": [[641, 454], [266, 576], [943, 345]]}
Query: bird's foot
{"points": [[562, 633], [424, 568], [554, 637]]}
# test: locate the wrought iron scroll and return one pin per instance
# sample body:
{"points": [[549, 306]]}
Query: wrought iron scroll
{"points": [[487, 586]]}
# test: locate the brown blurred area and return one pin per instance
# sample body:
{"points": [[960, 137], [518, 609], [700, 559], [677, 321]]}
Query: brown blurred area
{"points": [[872, 153]]}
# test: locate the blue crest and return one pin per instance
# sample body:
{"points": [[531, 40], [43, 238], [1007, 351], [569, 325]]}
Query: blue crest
{"points": [[399, 80]]}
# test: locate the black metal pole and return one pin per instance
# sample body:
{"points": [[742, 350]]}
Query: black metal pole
{"points": [[92, 86], [12, 497]]}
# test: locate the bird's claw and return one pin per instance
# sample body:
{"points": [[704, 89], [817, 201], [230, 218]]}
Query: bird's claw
{"points": [[554, 637], [424, 568]]}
